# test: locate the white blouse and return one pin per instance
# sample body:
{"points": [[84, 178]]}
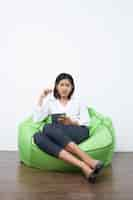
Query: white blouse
{"points": [[73, 109]]}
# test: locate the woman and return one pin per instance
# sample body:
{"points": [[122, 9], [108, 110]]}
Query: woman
{"points": [[60, 138]]}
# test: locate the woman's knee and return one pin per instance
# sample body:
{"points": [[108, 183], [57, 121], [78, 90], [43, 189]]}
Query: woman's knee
{"points": [[70, 145]]}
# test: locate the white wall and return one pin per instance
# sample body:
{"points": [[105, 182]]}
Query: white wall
{"points": [[92, 40]]}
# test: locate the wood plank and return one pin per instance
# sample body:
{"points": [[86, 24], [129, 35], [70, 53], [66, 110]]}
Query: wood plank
{"points": [[18, 181]]}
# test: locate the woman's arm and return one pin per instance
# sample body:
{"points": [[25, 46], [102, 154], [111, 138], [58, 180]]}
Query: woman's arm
{"points": [[41, 108], [84, 118]]}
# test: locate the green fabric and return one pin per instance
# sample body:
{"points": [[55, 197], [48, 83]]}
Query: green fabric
{"points": [[100, 145]]}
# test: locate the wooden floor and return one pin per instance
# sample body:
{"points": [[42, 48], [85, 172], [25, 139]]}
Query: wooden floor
{"points": [[18, 181]]}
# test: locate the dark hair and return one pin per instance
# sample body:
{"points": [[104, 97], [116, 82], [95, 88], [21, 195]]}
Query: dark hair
{"points": [[61, 77]]}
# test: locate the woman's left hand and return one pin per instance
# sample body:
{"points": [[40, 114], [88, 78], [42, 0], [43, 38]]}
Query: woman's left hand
{"points": [[67, 121]]}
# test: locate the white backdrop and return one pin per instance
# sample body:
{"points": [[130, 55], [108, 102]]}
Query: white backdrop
{"points": [[92, 40]]}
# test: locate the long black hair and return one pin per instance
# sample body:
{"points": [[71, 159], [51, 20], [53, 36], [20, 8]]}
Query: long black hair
{"points": [[61, 77]]}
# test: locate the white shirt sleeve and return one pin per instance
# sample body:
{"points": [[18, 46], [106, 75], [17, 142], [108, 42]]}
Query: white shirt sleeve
{"points": [[84, 118], [41, 112]]}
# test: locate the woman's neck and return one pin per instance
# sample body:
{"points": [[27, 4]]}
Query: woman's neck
{"points": [[63, 98]]}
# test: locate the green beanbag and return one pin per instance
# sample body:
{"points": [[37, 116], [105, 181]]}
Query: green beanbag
{"points": [[100, 145]]}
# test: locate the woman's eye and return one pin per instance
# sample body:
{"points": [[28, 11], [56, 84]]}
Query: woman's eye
{"points": [[65, 85]]}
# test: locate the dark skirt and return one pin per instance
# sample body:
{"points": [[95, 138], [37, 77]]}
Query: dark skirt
{"points": [[55, 136]]}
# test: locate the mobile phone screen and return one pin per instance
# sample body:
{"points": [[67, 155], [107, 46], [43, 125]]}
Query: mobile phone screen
{"points": [[56, 116]]}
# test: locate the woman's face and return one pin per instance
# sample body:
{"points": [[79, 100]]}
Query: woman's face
{"points": [[64, 88]]}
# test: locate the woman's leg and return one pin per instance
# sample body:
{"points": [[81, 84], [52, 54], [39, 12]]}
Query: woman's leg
{"points": [[49, 146], [68, 157], [73, 148], [66, 135]]}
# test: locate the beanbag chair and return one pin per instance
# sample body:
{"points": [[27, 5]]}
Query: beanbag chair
{"points": [[100, 144]]}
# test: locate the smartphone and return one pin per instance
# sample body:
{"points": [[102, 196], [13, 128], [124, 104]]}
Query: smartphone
{"points": [[63, 115], [56, 116]]}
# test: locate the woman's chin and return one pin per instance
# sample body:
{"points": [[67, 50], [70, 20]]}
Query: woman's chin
{"points": [[64, 96]]}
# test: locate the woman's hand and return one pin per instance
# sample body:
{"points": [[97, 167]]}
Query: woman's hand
{"points": [[67, 121], [44, 93]]}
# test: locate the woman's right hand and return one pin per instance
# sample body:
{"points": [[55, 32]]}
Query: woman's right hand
{"points": [[44, 94]]}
